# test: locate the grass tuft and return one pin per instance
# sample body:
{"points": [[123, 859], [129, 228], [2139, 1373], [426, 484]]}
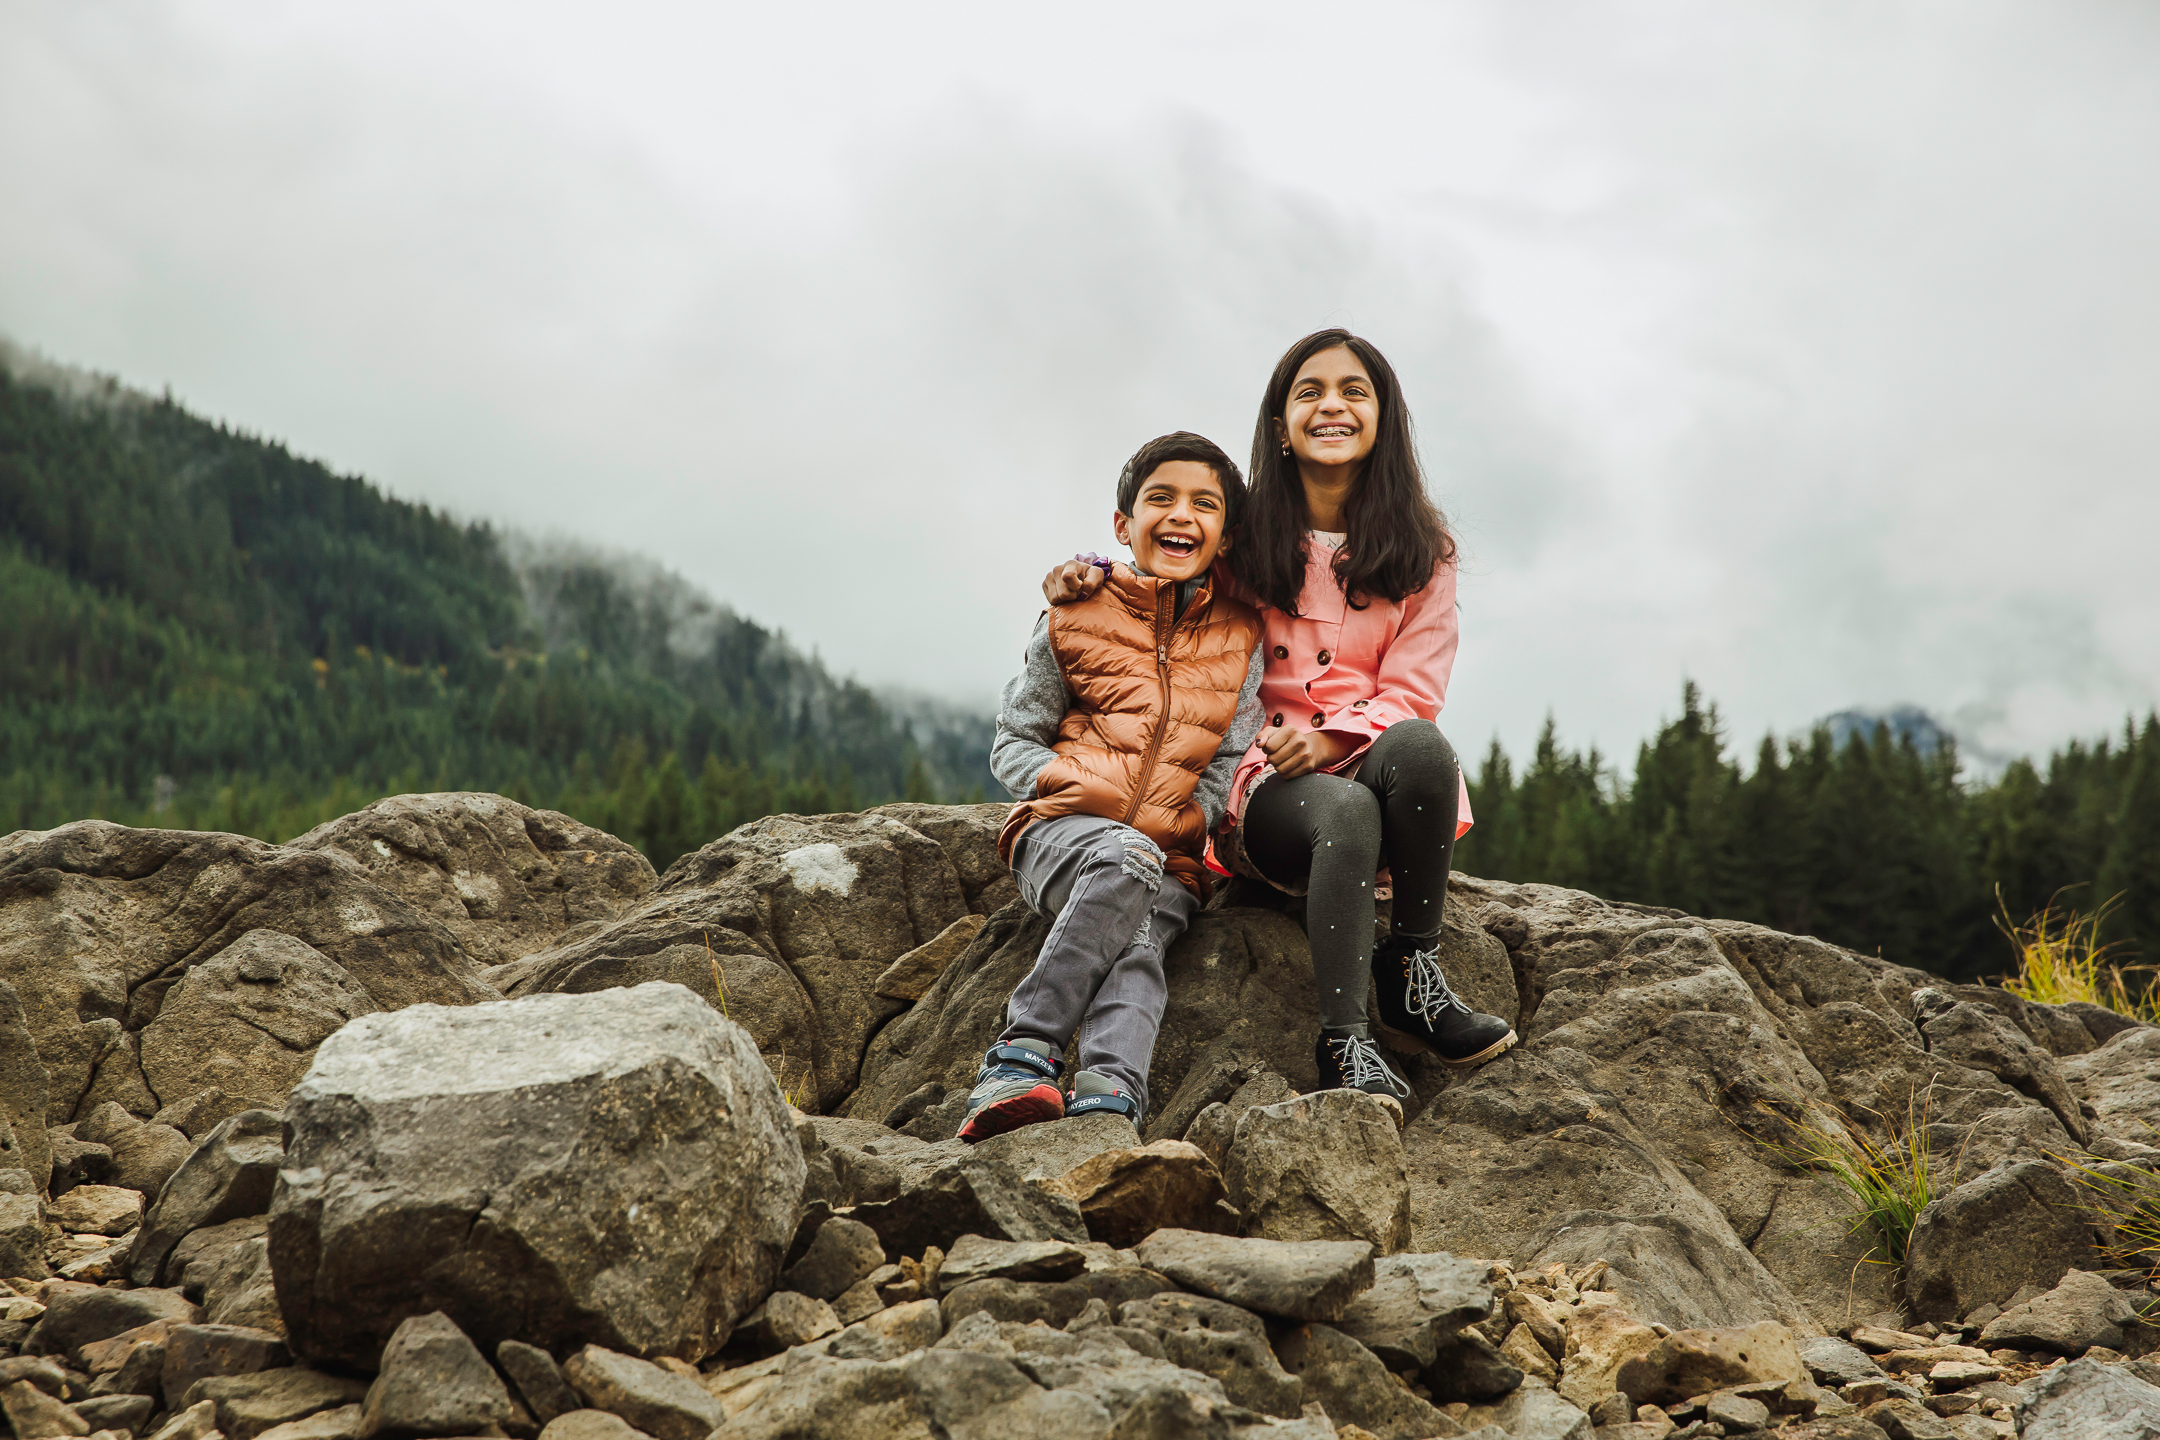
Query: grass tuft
{"points": [[2061, 959], [1887, 1183]]}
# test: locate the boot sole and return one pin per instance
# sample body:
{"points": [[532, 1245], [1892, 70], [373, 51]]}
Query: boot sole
{"points": [[1403, 1043], [1044, 1102]]}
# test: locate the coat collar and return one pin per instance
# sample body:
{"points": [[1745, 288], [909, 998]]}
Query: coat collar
{"points": [[1141, 593]]}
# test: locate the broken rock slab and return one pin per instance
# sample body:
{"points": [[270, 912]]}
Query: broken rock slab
{"points": [[2086, 1400], [974, 1258], [1324, 1166], [1414, 1304], [229, 1176], [1354, 1386], [615, 1168], [658, 1402], [2020, 1223], [2082, 1311], [971, 1194], [1688, 1363], [1294, 1279], [247, 1405], [1127, 1195], [434, 1381]]}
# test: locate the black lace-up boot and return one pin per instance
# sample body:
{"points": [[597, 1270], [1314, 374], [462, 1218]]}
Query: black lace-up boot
{"points": [[1348, 1060], [1420, 1011]]}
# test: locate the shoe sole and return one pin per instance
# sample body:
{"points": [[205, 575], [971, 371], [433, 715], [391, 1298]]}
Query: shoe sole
{"points": [[1044, 1102], [1403, 1043]]}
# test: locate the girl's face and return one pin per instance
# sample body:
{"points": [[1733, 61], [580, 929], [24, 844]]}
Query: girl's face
{"points": [[1332, 415]]}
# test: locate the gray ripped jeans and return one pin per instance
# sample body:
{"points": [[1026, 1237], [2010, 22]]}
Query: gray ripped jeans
{"points": [[1113, 912]]}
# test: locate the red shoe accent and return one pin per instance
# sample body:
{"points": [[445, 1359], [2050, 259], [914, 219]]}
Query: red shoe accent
{"points": [[1044, 1102]]}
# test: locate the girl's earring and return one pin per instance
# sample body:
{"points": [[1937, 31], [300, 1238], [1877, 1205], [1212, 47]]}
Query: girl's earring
{"points": [[1285, 447]]}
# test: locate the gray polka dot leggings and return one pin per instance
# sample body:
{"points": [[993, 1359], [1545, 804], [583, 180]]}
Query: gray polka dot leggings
{"points": [[1332, 833]]}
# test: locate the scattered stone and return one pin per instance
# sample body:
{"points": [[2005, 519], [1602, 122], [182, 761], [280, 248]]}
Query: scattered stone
{"points": [[98, 1210], [1835, 1362], [1227, 1344], [893, 1332], [1325, 1166], [127, 1413], [538, 1380], [1902, 1419], [1542, 1317], [1468, 1368], [1127, 1195], [858, 1302], [1298, 1280], [195, 1352], [202, 1255], [1532, 1412], [45, 1374], [1688, 1363], [1844, 1427], [2085, 1400], [616, 1168], [1879, 1339], [76, 1314], [791, 1319], [842, 1252], [434, 1381], [1598, 1341], [1951, 1374], [973, 1194], [76, 1161], [22, 1229], [2082, 1311], [1524, 1350], [650, 1399], [1736, 1412], [590, 1425], [1414, 1303], [2020, 1223], [1354, 1386], [36, 1415], [974, 1258], [342, 1423], [193, 1423], [229, 1175], [144, 1154], [247, 1405]]}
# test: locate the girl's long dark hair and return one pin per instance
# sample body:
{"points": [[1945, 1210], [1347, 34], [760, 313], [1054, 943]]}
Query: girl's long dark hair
{"points": [[1397, 536]]}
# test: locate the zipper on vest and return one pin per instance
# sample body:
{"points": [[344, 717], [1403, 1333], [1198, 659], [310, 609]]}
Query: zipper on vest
{"points": [[1163, 593]]}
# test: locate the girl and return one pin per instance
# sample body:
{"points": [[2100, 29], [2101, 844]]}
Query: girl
{"points": [[1353, 571]]}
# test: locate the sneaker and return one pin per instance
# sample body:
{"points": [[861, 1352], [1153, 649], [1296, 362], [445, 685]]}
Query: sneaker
{"points": [[1016, 1086], [1348, 1060], [1094, 1094], [1420, 1011]]}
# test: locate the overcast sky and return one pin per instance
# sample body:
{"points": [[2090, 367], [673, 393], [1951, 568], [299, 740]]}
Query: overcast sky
{"points": [[1811, 350]]}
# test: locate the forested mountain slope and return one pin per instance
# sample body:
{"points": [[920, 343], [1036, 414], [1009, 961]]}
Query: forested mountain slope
{"points": [[205, 630]]}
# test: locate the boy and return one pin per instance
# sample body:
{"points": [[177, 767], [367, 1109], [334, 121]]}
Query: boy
{"points": [[1119, 740]]}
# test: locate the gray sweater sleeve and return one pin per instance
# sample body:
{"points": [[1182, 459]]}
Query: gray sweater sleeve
{"points": [[1213, 791], [1033, 706]]}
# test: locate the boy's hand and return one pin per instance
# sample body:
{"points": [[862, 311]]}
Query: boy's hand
{"points": [[1300, 752], [1074, 580]]}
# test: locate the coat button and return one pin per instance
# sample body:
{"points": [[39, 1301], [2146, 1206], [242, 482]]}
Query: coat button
{"points": [[1318, 719], [1357, 704], [1325, 657], [1277, 721], [1282, 652]]}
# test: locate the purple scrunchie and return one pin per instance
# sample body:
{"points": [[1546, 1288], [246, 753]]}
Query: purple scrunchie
{"points": [[1100, 562]]}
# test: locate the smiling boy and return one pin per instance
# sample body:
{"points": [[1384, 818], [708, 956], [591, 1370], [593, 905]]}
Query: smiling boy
{"points": [[1119, 740]]}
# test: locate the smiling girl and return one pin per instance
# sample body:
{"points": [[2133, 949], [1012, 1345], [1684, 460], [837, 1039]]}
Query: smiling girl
{"points": [[1353, 572]]}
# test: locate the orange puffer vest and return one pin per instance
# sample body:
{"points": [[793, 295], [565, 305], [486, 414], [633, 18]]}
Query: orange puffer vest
{"points": [[1153, 695]]}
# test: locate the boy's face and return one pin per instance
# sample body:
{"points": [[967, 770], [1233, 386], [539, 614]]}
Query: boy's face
{"points": [[1177, 521]]}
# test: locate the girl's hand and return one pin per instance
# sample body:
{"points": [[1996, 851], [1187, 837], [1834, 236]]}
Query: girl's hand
{"points": [[1301, 752], [1074, 580]]}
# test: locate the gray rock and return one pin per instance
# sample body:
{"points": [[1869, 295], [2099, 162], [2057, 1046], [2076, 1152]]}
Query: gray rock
{"points": [[974, 1258], [891, 1333], [230, 1175], [47, 1375], [76, 1162], [1044, 1152], [196, 1352], [98, 1210], [2018, 1224], [589, 1425], [76, 1315], [539, 1381], [1903, 1419], [1975, 1035], [22, 1234], [2121, 1081], [24, 1095], [2082, 1311], [842, 1252], [1835, 1363], [1227, 1344], [1532, 1412], [1298, 1280], [653, 1400], [116, 1412], [202, 1254], [969, 1195], [1127, 1195], [1736, 1412], [788, 1319], [1415, 1303], [35, 1415], [247, 1020], [1466, 1367], [243, 1291], [1325, 1166], [341, 1422], [144, 1155], [1023, 1302], [504, 878], [2085, 1400], [101, 920], [613, 1168], [247, 1405], [434, 1381], [1354, 1386]]}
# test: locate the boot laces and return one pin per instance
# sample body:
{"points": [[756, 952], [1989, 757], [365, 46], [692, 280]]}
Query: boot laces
{"points": [[1430, 996], [1362, 1065]]}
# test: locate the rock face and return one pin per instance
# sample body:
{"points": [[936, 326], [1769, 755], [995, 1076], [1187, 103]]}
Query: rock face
{"points": [[99, 921], [611, 1168], [505, 879], [1958, 1261]]}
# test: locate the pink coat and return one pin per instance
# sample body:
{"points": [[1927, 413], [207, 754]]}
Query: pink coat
{"points": [[1353, 673]]}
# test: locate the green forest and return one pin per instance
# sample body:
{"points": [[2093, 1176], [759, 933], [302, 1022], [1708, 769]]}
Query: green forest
{"points": [[1875, 844], [208, 632]]}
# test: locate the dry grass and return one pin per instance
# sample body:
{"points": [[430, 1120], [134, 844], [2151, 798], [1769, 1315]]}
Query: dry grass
{"points": [[1886, 1183], [2061, 958]]}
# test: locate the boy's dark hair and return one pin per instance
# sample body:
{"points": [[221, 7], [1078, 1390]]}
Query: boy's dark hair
{"points": [[1182, 445]]}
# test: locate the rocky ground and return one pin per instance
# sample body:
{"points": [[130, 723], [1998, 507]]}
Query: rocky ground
{"points": [[451, 1118]]}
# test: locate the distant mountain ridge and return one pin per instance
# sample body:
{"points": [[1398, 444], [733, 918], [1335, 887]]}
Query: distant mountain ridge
{"points": [[206, 629]]}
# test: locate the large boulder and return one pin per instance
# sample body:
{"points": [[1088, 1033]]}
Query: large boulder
{"points": [[1325, 1166], [247, 1020], [504, 878], [2121, 1081], [24, 1086], [615, 1169], [796, 918], [2016, 1225], [98, 921], [2086, 1400]]}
